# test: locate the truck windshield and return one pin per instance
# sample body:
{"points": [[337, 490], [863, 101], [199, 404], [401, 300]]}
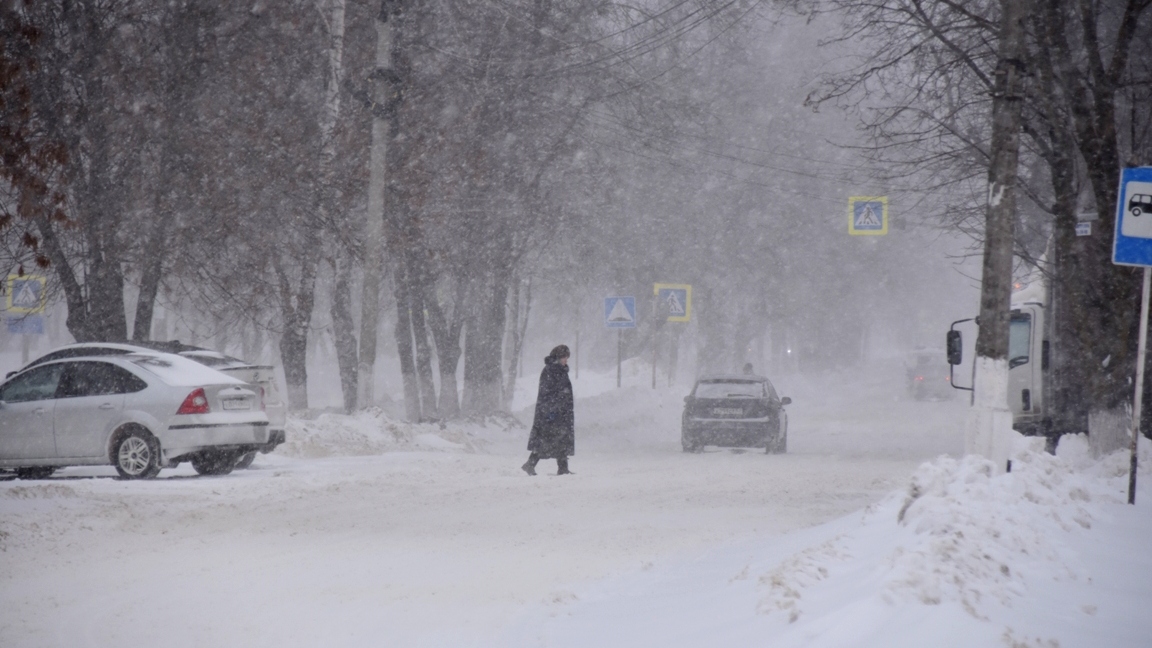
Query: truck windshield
{"points": [[1019, 339]]}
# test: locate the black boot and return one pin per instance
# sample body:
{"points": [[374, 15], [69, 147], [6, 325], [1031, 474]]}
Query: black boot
{"points": [[530, 465], [562, 466]]}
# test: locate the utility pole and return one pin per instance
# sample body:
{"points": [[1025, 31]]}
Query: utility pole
{"points": [[382, 104], [990, 426]]}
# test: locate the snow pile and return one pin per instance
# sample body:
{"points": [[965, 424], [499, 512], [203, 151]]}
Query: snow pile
{"points": [[372, 432], [975, 538], [963, 536], [1047, 555]]}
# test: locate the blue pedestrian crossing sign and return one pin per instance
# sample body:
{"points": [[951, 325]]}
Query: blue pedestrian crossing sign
{"points": [[26, 293], [868, 215], [675, 300], [620, 312], [1132, 244]]}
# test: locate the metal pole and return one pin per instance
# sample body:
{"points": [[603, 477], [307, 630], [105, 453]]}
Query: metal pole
{"points": [[655, 347], [1138, 398], [619, 354]]}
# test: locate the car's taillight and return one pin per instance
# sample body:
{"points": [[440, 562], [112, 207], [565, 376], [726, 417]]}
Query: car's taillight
{"points": [[262, 409], [196, 403]]}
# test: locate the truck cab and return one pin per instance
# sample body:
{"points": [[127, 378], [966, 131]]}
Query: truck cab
{"points": [[1029, 380], [1028, 361]]}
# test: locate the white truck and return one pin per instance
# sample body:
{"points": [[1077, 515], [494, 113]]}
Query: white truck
{"points": [[1029, 359]]}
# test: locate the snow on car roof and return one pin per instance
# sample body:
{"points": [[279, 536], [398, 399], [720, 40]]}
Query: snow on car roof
{"points": [[179, 371]]}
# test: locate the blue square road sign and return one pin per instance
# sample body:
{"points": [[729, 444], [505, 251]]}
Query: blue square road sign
{"points": [[1132, 244]]}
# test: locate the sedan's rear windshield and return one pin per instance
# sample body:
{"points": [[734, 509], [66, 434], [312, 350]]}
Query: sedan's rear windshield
{"points": [[730, 389]]}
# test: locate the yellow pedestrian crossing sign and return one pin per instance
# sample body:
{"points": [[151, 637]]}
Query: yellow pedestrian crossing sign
{"points": [[868, 215], [26, 293]]}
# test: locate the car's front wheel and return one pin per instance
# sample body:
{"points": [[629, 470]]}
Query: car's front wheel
{"points": [[136, 454], [1137, 212], [214, 462]]}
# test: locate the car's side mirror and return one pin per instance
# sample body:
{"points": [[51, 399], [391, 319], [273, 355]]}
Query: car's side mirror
{"points": [[955, 346], [785, 401], [687, 398]]}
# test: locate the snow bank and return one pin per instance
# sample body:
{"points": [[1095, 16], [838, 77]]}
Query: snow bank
{"points": [[372, 432], [1047, 555]]}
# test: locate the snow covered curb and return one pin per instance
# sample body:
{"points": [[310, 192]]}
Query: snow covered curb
{"points": [[372, 432]]}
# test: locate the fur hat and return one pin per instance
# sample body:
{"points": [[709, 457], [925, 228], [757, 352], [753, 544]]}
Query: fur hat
{"points": [[560, 351]]}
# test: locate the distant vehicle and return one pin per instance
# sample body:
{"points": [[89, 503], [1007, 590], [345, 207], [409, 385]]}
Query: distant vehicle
{"points": [[928, 375], [1139, 204], [139, 412], [735, 411], [263, 376]]}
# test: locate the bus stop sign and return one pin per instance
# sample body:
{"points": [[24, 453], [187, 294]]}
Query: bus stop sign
{"points": [[1133, 243]]}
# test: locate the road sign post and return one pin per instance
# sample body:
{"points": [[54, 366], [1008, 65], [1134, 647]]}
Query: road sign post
{"points": [[1132, 246], [619, 313]]}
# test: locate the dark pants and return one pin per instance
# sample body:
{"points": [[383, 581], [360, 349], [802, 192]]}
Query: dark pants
{"points": [[561, 463]]}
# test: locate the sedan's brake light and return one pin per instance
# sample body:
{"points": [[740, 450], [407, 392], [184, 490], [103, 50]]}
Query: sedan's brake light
{"points": [[195, 403]]}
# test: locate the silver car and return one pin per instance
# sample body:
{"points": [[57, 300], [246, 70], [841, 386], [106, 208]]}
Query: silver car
{"points": [[261, 376], [139, 412]]}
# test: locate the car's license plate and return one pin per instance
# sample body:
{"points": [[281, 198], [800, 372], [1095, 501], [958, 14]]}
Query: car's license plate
{"points": [[236, 404], [727, 411]]}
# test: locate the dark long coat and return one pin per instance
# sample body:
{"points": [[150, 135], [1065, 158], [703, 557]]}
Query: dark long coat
{"points": [[554, 427]]}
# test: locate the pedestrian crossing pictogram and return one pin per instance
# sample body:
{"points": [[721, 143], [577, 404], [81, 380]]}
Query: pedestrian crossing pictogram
{"points": [[26, 293], [868, 215]]}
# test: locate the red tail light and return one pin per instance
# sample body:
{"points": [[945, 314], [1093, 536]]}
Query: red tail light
{"points": [[196, 403]]}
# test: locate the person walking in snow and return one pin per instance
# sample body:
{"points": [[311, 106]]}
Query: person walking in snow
{"points": [[554, 426]]}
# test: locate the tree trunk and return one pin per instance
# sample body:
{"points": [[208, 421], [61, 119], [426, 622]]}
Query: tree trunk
{"points": [[384, 98], [447, 337], [484, 345], [423, 348], [990, 430], [343, 331], [519, 330], [1103, 297], [403, 333]]}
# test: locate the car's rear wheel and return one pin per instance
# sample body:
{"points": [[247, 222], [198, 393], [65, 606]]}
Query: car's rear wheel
{"points": [[35, 472], [245, 460], [688, 442], [1137, 212], [214, 462], [136, 454], [778, 439]]}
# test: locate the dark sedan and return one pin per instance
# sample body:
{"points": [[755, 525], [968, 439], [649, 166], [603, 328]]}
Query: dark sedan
{"points": [[735, 411]]}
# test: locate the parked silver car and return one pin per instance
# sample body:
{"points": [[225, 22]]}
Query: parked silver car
{"points": [[262, 376], [139, 412]]}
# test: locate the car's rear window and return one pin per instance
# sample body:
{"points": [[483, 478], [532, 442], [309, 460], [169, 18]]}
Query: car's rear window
{"points": [[730, 389]]}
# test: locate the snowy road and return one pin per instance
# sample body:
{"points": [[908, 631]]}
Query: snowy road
{"points": [[444, 543]]}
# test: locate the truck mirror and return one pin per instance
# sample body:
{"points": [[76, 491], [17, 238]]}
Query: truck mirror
{"points": [[955, 346]]}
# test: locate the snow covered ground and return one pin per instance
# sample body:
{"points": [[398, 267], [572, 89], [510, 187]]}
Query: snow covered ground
{"points": [[362, 531]]}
